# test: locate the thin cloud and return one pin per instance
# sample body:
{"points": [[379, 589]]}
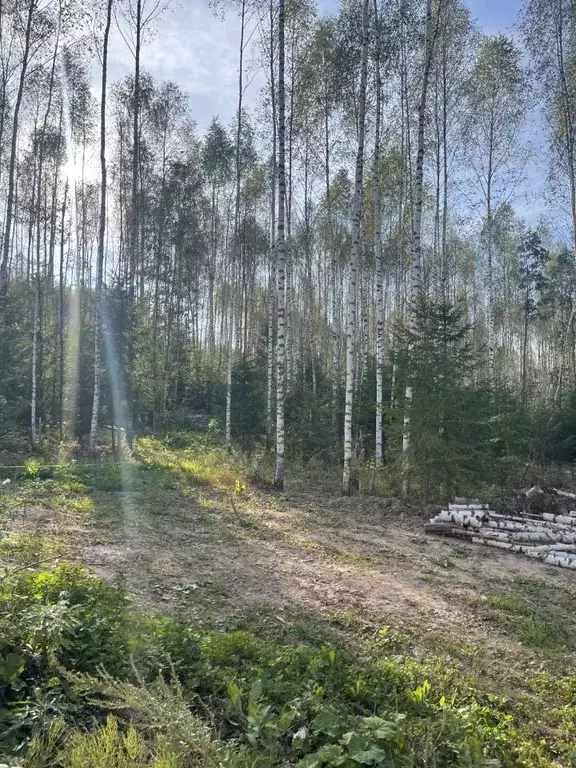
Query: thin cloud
{"points": [[195, 49]]}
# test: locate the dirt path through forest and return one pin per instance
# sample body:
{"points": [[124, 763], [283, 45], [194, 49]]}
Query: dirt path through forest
{"points": [[357, 562]]}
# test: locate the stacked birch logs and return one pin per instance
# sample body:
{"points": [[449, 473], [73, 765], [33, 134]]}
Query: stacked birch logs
{"points": [[546, 536]]}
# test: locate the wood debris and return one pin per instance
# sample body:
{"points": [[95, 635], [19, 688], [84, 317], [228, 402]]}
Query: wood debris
{"points": [[546, 536]]}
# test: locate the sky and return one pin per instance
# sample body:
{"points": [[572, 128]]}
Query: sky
{"points": [[199, 50], [197, 47], [495, 15]]}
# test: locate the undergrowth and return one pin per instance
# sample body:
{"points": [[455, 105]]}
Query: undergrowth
{"points": [[85, 679], [528, 624]]}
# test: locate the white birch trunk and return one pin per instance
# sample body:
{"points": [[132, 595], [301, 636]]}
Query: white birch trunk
{"points": [[378, 254], [229, 364], [491, 324], [281, 259], [270, 348], [393, 386], [232, 348], [34, 403], [335, 351], [272, 280], [101, 237], [353, 265]]}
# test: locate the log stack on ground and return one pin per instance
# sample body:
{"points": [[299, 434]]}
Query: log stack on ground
{"points": [[546, 536]]}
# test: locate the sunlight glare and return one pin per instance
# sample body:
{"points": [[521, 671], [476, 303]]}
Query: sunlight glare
{"points": [[71, 171]]}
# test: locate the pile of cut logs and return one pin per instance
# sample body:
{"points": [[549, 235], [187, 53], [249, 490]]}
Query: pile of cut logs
{"points": [[546, 536]]}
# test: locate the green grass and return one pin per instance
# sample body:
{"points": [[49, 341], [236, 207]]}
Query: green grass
{"points": [[202, 462], [526, 623], [306, 543], [28, 548], [349, 558]]}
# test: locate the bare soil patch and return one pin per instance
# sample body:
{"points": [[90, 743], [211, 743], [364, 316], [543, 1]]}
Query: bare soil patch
{"points": [[362, 561]]}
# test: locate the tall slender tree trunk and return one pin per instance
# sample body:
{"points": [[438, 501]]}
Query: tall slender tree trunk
{"points": [[231, 350], [272, 279], [61, 288], [378, 251], [525, 345], [568, 114], [281, 257], [290, 346], [212, 270], [38, 346], [336, 338], [101, 236], [334, 359], [13, 152], [444, 258], [134, 229], [33, 206], [33, 407], [230, 361], [416, 265], [353, 265], [270, 346], [491, 328], [438, 169], [157, 387]]}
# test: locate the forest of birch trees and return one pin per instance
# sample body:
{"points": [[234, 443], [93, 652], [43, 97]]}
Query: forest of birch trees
{"points": [[371, 265]]}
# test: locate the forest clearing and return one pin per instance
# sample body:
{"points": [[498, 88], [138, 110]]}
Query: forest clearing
{"points": [[185, 533], [287, 383]]}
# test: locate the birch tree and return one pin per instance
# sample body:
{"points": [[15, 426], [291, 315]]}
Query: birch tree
{"points": [[101, 232], [353, 264], [140, 15], [378, 245], [272, 272], [495, 109], [37, 342], [549, 31], [29, 47], [281, 255], [232, 338]]}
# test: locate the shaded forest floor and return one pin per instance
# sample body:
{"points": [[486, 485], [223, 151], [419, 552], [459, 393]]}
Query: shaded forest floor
{"points": [[189, 538], [201, 545]]}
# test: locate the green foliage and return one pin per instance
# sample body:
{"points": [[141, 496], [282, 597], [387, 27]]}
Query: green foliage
{"points": [[249, 401], [561, 439], [529, 626], [35, 469], [374, 741], [106, 747], [204, 461], [28, 548], [73, 649], [310, 430], [449, 433]]}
